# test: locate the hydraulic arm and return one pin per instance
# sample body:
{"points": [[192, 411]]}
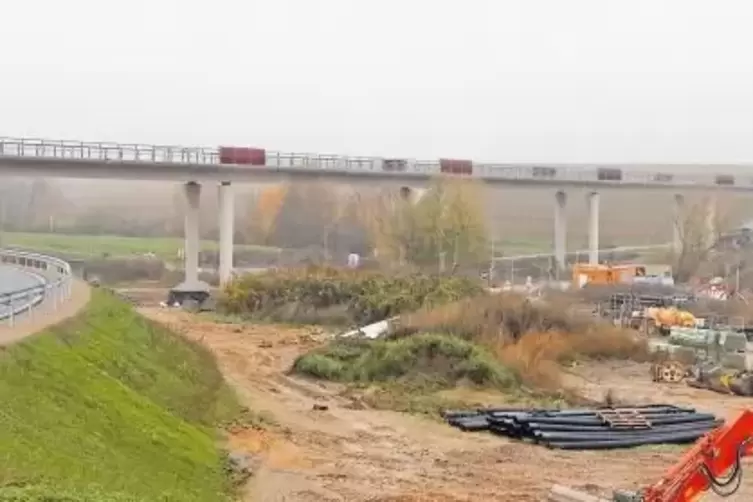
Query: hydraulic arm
{"points": [[714, 463]]}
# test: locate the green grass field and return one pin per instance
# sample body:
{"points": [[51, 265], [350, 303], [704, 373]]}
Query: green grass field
{"points": [[512, 247], [166, 248], [84, 246], [110, 407]]}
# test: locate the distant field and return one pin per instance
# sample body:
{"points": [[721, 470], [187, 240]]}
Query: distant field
{"points": [[85, 246], [97, 245], [511, 247], [628, 216], [519, 218]]}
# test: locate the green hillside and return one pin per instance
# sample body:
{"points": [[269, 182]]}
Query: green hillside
{"points": [[110, 407]]}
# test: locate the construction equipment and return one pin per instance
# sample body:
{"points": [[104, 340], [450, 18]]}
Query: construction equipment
{"points": [[660, 320], [600, 275], [669, 372], [713, 463]]}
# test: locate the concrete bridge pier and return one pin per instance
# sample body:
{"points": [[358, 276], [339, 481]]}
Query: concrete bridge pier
{"points": [[678, 223], [710, 223], [226, 201], [593, 228], [412, 195], [191, 287], [560, 231]]}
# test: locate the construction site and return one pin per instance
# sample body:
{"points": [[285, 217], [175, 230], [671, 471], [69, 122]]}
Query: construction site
{"points": [[620, 429], [629, 379]]}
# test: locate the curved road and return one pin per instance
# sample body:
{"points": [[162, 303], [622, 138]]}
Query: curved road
{"points": [[13, 279]]}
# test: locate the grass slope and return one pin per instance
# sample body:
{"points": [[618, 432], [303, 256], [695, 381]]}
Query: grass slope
{"points": [[109, 406]]}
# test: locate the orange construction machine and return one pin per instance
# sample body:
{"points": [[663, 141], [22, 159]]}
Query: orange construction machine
{"points": [[713, 463], [605, 274]]}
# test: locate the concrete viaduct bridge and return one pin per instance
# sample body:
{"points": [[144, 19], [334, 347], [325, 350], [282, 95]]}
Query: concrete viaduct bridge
{"points": [[195, 166]]}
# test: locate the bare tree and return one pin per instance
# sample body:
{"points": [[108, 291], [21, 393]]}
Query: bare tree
{"points": [[699, 228]]}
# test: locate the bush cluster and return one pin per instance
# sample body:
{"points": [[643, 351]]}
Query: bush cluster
{"points": [[115, 270], [505, 316], [424, 358], [123, 270], [490, 340], [350, 296]]}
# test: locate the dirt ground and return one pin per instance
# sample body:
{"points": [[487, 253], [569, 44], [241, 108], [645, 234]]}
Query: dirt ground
{"points": [[347, 453]]}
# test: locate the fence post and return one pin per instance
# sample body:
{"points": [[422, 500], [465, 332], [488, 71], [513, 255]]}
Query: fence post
{"points": [[11, 312], [30, 304]]}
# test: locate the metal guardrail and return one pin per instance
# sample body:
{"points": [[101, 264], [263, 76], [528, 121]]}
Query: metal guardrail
{"points": [[54, 288], [107, 152]]}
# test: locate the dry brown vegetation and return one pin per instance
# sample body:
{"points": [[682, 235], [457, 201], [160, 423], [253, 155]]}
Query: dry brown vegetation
{"points": [[533, 339]]}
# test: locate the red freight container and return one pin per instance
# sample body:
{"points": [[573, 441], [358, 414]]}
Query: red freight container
{"points": [[456, 166], [243, 155]]}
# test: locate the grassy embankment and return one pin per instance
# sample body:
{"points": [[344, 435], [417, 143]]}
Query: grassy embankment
{"points": [[451, 335], [111, 407]]}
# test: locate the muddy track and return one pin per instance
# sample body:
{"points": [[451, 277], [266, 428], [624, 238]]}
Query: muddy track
{"points": [[348, 454]]}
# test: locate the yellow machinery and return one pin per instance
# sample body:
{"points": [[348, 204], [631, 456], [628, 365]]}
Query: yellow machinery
{"points": [[659, 320]]}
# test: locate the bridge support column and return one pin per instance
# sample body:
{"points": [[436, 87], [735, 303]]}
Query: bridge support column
{"points": [[191, 235], [593, 228], [560, 231], [191, 287], [227, 229], [678, 223], [412, 195], [711, 207]]}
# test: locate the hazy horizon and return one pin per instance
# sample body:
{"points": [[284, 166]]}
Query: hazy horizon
{"points": [[504, 80]]}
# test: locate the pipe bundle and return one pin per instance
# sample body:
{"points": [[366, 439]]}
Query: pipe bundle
{"points": [[587, 429]]}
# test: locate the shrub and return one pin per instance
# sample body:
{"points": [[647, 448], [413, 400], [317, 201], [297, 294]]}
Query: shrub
{"points": [[120, 270], [114, 270], [426, 358], [361, 297]]}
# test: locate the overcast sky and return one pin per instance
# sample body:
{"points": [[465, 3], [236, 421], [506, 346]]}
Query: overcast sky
{"points": [[504, 80]]}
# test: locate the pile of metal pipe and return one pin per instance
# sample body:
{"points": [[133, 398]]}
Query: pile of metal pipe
{"points": [[586, 429]]}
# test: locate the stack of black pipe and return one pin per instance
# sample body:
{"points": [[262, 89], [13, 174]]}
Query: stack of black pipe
{"points": [[584, 429]]}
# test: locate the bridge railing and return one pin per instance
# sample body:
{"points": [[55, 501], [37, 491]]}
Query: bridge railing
{"points": [[54, 288], [50, 149]]}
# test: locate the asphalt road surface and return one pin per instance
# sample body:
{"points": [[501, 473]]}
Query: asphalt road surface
{"points": [[13, 279]]}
